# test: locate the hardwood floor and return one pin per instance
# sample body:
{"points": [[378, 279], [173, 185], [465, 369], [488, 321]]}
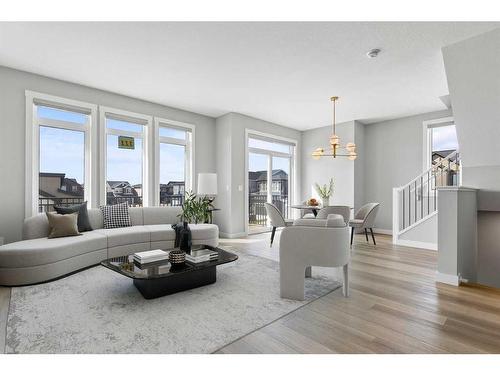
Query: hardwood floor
{"points": [[395, 307], [4, 309]]}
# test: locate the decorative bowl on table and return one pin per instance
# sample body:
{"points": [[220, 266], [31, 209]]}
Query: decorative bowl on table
{"points": [[177, 257]]}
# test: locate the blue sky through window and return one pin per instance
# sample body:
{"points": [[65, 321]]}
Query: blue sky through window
{"points": [[62, 151], [171, 163], [444, 138]]}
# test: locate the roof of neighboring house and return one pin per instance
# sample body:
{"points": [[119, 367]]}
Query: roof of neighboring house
{"points": [[114, 184], [171, 183], [442, 153], [49, 174], [45, 194], [262, 175]]}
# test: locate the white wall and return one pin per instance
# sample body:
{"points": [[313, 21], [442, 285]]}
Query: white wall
{"points": [[233, 223], [13, 84]]}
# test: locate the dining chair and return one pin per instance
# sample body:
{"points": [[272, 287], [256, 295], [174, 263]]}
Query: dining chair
{"points": [[344, 211], [364, 219], [276, 218]]}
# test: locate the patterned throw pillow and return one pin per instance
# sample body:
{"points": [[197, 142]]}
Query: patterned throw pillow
{"points": [[83, 215], [116, 216]]}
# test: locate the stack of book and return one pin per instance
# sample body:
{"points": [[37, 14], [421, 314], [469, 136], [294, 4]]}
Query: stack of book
{"points": [[150, 256], [202, 255]]}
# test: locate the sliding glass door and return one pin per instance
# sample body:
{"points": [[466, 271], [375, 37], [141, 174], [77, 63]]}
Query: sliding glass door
{"points": [[270, 167]]}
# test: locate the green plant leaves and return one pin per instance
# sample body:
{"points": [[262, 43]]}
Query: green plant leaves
{"points": [[196, 209]]}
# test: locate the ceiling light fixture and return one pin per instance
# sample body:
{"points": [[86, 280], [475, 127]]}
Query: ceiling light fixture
{"points": [[373, 53], [335, 142]]}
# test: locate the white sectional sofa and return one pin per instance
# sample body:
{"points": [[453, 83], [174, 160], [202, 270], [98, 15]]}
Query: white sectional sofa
{"points": [[38, 258]]}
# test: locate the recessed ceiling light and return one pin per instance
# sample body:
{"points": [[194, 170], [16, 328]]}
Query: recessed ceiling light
{"points": [[373, 53]]}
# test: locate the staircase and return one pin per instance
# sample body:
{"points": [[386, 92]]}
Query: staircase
{"points": [[415, 204]]}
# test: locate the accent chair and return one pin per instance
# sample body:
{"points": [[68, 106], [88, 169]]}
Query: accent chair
{"points": [[364, 219]]}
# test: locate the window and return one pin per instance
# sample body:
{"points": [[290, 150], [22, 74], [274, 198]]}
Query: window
{"points": [[135, 162], [125, 163], [174, 161], [58, 157], [269, 163], [441, 151], [440, 140]]}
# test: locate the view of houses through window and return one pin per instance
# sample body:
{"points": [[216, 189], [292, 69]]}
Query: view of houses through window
{"points": [[62, 158], [268, 161], [444, 142]]}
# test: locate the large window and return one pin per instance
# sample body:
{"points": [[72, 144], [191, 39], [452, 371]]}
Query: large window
{"points": [[270, 164], [77, 151], [441, 151], [174, 162], [126, 167], [58, 152]]}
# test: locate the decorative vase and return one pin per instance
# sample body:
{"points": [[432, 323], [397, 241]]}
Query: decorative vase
{"points": [[177, 257], [185, 238]]}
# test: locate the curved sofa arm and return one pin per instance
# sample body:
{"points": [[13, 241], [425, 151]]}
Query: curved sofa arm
{"points": [[320, 246]]}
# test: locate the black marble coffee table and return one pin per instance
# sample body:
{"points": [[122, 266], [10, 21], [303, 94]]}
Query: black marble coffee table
{"points": [[161, 278]]}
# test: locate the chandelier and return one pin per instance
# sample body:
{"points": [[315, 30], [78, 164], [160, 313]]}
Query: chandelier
{"points": [[335, 146]]}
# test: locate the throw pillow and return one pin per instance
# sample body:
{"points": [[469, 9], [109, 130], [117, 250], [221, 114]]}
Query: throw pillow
{"points": [[62, 225], [116, 216], [83, 215]]}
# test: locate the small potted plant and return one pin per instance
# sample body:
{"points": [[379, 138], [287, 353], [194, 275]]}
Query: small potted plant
{"points": [[325, 191]]}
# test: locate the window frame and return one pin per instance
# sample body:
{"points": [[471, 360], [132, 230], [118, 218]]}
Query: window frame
{"points": [[427, 138], [32, 145], [137, 118], [293, 187], [189, 153]]}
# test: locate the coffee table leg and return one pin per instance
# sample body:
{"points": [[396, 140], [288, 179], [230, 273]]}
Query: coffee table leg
{"points": [[154, 288]]}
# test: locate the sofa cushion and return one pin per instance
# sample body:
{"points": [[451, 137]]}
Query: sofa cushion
{"points": [[83, 215], [161, 215], [41, 251], [126, 235], [63, 225], [161, 232], [116, 216], [204, 231]]}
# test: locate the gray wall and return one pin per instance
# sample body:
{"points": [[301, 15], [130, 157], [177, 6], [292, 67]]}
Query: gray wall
{"points": [[13, 84], [320, 171], [393, 157], [472, 69], [233, 222]]}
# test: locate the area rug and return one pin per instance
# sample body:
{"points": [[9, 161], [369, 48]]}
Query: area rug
{"points": [[100, 311]]}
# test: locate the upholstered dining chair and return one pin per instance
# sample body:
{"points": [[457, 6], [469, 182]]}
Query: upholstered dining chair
{"points": [[276, 218], [344, 211], [364, 219]]}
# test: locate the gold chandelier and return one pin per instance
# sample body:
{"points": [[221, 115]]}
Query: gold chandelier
{"points": [[335, 146]]}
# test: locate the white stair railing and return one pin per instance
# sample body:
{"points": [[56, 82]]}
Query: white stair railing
{"points": [[416, 201]]}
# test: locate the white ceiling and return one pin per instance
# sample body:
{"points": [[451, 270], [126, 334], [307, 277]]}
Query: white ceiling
{"points": [[280, 72]]}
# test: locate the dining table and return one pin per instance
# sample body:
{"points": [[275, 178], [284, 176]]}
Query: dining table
{"points": [[314, 209]]}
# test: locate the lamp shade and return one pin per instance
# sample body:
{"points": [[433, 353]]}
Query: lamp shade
{"points": [[207, 183]]}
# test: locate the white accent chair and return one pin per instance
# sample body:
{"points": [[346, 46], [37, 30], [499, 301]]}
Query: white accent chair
{"points": [[344, 211], [364, 219], [312, 242], [276, 218]]}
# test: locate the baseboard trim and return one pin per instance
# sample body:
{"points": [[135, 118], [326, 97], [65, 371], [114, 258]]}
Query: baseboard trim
{"points": [[232, 235], [382, 231], [445, 278], [417, 244]]}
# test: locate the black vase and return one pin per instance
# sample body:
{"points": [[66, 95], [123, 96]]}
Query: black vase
{"points": [[185, 238]]}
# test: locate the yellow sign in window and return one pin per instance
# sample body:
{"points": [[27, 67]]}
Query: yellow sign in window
{"points": [[126, 142]]}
